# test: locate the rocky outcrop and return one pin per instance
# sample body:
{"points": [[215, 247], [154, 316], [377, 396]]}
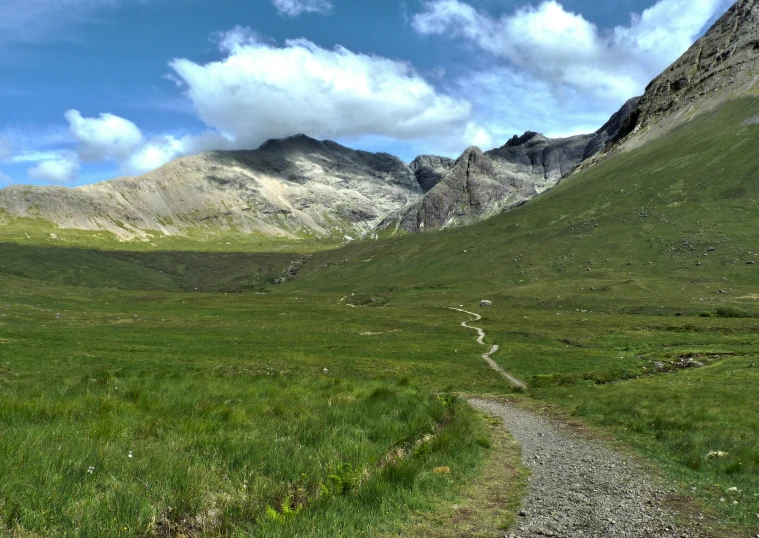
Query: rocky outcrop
{"points": [[721, 66], [479, 185], [548, 160], [430, 170], [297, 187], [607, 134]]}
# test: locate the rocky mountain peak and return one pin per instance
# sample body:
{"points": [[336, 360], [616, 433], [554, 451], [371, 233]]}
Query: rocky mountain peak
{"points": [[471, 154], [474, 160], [292, 187], [291, 142], [722, 65], [430, 169], [521, 140]]}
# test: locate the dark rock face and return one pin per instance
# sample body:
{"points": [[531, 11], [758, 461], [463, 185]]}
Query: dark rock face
{"points": [[537, 155], [430, 170], [607, 134], [722, 65], [479, 185]]}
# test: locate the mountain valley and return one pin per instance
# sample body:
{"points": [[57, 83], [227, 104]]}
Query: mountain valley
{"points": [[270, 342]]}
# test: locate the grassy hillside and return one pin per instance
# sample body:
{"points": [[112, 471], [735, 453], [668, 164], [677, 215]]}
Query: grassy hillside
{"points": [[649, 257], [645, 216], [599, 287]]}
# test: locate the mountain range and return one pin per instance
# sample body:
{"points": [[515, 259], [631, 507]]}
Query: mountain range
{"points": [[299, 187]]}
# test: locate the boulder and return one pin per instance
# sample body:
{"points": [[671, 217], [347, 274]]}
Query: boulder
{"points": [[486, 303]]}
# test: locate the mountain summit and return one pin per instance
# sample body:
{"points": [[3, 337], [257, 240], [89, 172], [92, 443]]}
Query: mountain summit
{"points": [[301, 187], [295, 187], [721, 66], [479, 185]]}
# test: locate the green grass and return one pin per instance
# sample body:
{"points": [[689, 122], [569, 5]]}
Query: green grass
{"points": [[211, 392], [592, 283], [124, 453], [695, 423]]}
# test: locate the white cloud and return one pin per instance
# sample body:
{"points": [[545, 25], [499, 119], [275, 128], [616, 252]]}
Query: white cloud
{"points": [[60, 167], [566, 51], [115, 139], [260, 91], [160, 150], [6, 150], [108, 137], [293, 8], [5, 180], [509, 102]]}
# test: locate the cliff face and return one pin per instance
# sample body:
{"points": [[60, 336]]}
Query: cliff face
{"points": [[479, 185], [476, 187], [721, 66], [430, 170]]}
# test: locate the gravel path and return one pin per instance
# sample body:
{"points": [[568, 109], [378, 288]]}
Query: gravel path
{"points": [[580, 488], [487, 356]]}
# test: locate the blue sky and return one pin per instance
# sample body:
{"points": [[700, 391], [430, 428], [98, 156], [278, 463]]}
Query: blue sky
{"points": [[94, 89]]}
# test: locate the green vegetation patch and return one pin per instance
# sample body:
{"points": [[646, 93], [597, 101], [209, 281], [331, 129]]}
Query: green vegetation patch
{"points": [[697, 423], [133, 452]]}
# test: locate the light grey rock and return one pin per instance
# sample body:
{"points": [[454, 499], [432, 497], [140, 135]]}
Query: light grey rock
{"points": [[535, 155], [292, 187], [477, 187], [486, 303]]}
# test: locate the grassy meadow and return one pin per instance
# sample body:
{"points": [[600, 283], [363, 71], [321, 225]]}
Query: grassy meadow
{"points": [[171, 388]]}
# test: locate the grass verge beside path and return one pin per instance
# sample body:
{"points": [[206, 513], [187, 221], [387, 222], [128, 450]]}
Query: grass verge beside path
{"points": [[700, 425], [221, 401], [484, 507]]}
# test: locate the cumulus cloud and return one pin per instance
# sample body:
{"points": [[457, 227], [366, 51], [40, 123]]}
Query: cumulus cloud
{"points": [[5, 180], [563, 49], [115, 139], [58, 167], [293, 8], [261, 91], [509, 102], [108, 137], [162, 149]]}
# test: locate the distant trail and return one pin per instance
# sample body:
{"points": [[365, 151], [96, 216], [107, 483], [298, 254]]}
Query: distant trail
{"points": [[481, 340]]}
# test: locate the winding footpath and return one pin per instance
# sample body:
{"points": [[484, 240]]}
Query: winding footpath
{"points": [[580, 488], [487, 356]]}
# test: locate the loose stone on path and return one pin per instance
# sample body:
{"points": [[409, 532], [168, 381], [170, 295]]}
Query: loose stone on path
{"points": [[581, 488]]}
